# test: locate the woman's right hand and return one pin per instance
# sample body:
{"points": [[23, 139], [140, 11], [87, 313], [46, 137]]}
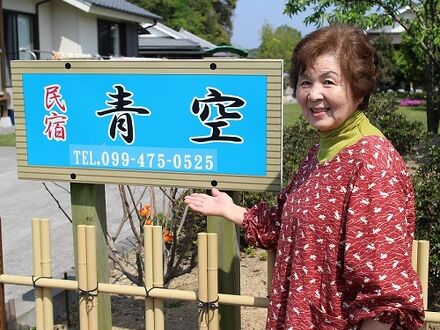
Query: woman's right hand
{"points": [[219, 204]]}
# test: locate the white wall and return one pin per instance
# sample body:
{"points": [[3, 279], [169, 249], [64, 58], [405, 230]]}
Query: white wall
{"points": [[26, 6], [73, 31], [88, 33], [45, 30]]}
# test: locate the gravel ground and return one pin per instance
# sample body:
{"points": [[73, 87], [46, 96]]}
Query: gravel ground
{"points": [[128, 312]]}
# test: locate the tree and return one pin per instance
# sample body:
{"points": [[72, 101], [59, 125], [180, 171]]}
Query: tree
{"points": [[409, 62], [208, 19], [278, 43], [422, 31], [388, 70]]}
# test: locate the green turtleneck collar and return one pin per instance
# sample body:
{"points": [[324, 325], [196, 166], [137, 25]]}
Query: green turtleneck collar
{"points": [[352, 130]]}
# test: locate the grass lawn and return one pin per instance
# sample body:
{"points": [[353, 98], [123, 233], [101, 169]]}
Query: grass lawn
{"points": [[291, 113], [414, 113], [7, 140]]}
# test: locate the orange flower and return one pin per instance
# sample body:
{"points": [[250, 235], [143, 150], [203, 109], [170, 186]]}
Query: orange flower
{"points": [[149, 222], [168, 236], [145, 211]]}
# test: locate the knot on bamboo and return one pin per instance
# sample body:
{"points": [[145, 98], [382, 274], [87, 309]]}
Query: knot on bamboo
{"points": [[89, 295], [147, 291], [206, 306], [36, 278]]}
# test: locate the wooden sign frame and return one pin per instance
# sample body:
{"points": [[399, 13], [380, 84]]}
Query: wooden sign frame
{"points": [[24, 72]]}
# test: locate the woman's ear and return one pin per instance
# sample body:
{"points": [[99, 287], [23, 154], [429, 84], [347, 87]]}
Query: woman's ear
{"points": [[359, 102]]}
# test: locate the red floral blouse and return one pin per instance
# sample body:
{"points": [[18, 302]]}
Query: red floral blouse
{"points": [[343, 233]]}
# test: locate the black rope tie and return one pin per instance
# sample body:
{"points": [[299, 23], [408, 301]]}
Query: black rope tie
{"points": [[88, 294], [35, 279], [147, 291], [206, 306]]}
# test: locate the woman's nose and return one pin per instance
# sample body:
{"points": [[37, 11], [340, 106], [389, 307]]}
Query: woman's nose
{"points": [[315, 92]]}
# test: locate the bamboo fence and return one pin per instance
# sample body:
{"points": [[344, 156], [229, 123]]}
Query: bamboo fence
{"points": [[207, 296]]}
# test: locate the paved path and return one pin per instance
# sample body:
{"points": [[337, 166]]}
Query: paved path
{"points": [[22, 200]]}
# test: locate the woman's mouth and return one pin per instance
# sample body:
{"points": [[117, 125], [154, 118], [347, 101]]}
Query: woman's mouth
{"points": [[319, 110]]}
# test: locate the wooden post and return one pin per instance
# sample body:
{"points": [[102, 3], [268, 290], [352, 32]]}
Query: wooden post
{"points": [[270, 269], [212, 281], [46, 271], [148, 274], [159, 304], [202, 246], [88, 208], [92, 283], [2, 287], [38, 292], [81, 275], [228, 266]]}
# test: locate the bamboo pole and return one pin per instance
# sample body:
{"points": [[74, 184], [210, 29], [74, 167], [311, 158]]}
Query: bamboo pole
{"points": [[46, 271], [89, 208], [270, 269], [82, 277], [129, 290], [92, 282], [148, 274], [159, 317], [202, 245], [212, 273], [38, 292], [2, 287], [414, 255], [432, 317], [423, 268], [228, 265]]}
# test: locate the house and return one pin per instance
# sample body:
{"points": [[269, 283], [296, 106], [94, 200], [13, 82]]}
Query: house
{"points": [[49, 29], [104, 27], [159, 40], [394, 32]]}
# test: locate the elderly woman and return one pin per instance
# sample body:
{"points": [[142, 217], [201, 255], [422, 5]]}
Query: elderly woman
{"points": [[343, 227]]}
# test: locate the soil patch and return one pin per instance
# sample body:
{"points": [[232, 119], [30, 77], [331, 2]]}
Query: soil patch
{"points": [[128, 312]]}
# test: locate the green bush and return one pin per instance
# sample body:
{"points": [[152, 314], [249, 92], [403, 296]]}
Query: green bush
{"points": [[404, 134], [427, 189], [297, 139]]}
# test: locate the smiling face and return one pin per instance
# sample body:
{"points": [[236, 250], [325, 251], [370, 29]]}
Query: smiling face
{"points": [[323, 94]]}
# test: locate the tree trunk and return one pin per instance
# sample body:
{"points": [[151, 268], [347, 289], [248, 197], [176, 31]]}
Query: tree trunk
{"points": [[432, 108]]}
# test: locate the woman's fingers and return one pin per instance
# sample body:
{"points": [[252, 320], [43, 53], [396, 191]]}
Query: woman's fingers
{"points": [[205, 204], [215, 192]]}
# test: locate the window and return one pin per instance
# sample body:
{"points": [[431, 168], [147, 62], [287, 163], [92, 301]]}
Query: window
{"points": [[111, 38], [20, 38], [19, 35]]}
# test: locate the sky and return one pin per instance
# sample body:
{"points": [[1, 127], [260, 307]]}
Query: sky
{"points": [[251, 15]]}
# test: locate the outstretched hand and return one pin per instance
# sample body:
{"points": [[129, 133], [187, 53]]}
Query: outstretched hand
{"points": [[219, 204]]}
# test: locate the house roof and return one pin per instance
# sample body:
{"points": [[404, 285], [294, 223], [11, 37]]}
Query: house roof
{"points": [[117, 5], [160, 42], [202, 42], [226, 51], [395, 28]]}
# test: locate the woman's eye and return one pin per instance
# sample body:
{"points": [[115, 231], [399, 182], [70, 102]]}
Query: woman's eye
{"points": [[329, 82], [304, 83]]}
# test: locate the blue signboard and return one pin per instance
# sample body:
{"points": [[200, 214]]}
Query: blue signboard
{"points": [[193, 123]]}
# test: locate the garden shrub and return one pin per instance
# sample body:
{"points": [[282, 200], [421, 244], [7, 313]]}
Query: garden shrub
{"points": [[297, 139], [427, 190], [403, 134]]}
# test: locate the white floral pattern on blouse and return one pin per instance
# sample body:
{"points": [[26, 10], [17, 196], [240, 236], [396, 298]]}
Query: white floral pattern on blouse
{"points": [[343, 233]]}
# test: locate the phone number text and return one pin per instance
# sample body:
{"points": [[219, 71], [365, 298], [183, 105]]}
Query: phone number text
{"points": [[170, 160]]}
